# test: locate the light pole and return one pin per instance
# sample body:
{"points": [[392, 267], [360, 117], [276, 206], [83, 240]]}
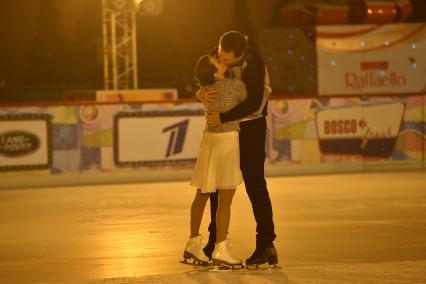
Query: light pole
{"points": [[119, 44], [120, 40]]}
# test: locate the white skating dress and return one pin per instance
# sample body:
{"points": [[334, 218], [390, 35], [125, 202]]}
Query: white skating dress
{"points": [[218, 161]]}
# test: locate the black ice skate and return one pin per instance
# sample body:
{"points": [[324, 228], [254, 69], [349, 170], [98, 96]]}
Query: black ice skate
{"points": [[261, 256]]}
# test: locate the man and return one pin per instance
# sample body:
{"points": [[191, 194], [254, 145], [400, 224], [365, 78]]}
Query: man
{"points": [[233, 51]]}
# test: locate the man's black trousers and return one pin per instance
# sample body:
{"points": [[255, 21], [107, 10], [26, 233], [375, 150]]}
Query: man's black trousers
{"points": [[252, 159]]}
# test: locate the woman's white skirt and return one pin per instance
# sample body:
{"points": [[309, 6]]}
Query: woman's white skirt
{"points": [[218, 162]]}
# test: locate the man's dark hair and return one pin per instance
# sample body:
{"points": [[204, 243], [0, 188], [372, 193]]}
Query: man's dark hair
{"points": [[234, 41], [204, 71]]}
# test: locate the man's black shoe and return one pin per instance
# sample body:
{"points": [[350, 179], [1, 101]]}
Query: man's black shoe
{"points": [[267, 255]]}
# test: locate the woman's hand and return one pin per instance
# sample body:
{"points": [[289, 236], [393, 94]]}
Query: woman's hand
{"points": [[213, 118], [206, 94]]}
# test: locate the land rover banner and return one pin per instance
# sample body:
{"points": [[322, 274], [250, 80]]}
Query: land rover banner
{"points": [[371, 59], [25, 142]]}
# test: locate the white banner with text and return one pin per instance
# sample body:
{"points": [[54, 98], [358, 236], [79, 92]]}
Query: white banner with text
{"points": [[371, 59], [149, 139], [24, 142]]}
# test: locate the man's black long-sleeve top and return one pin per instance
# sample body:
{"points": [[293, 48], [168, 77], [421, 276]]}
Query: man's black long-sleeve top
{"points": [[253, 76]]}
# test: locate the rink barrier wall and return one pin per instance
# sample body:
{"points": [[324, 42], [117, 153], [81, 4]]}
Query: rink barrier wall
{"points": [[94, 143]]}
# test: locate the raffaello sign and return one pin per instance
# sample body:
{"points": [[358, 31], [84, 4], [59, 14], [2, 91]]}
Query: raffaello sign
{"points": [[371, 80], [368, 59], [374, 74]]}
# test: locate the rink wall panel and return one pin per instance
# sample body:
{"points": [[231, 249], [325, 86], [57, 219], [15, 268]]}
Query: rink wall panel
{"points": [[98, 143]]}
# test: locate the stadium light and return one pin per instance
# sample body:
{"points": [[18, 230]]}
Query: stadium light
{"points": [[120, 5], [149, 7]]}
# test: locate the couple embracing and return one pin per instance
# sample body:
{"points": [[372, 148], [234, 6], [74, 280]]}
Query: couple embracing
{"points": [[234, 88]]}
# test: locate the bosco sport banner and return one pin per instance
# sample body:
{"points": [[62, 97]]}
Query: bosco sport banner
{"points": [[368, 130], [371, 59]]}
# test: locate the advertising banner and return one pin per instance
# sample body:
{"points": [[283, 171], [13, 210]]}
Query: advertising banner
{"points": [[371, 59], [157, 138], [25, 142], [370, 130]]}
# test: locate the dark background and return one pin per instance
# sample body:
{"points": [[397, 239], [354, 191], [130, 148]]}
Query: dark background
{"points": [[49, 46]]}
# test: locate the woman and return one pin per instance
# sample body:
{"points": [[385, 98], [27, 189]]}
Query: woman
{"points": [[218, 163]]}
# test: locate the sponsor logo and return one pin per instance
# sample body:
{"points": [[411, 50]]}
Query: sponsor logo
{"points": [[376, 135], [341, 126], [374, 65], [352, 126], [375, 74], [177, 137], [373, 79], [18, 143]]}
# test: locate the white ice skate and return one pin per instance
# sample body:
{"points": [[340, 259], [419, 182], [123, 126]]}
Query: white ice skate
{"points": [[223, 256], [194, 251]]}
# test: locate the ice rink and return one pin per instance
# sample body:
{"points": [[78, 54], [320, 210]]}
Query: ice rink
{"points": [[346, 228]]}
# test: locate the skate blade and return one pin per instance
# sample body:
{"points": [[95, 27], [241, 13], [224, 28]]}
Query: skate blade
{"points": [[194, 262], [189, 259], [263, 267], [215, 268], [224, 266]]}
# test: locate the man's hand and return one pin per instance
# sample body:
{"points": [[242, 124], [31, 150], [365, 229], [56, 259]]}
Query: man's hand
{"points": [[213, 118], [207, 94]]}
